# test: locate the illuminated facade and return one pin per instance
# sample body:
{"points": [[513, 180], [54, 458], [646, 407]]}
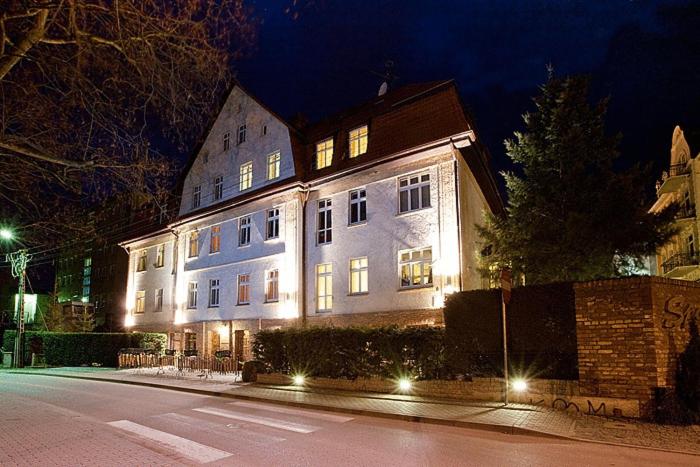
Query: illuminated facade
{"points": [[680, 258], [365, 217]]}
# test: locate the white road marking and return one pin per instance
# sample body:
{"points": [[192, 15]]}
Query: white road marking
{"points": [[188, 448], [216, 429], [271, 422], [294, 411]]}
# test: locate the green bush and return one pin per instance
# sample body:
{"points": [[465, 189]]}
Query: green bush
{"points": [[353, 352], [75, 349], [250, 371]]}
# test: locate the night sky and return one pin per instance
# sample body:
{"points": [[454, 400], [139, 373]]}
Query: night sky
{"points": [[317, 58]]}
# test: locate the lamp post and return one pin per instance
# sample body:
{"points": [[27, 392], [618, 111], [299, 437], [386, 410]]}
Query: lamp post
{"points": [[18, 260]]}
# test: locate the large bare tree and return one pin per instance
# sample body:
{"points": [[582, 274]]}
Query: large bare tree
{"points": [[88, 86]]}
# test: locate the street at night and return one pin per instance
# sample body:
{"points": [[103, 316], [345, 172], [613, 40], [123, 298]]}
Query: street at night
{"points": [[56, 421]]}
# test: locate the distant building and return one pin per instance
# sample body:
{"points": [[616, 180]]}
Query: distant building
{"points": [[679, 259], [365, 218]]}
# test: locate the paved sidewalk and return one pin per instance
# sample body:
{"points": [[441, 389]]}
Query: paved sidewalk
{"points": [[516, 418]]}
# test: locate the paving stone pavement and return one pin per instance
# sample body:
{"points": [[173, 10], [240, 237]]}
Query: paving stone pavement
{"points": [[489, 415]]}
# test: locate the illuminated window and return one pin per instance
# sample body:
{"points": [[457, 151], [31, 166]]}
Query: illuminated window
{"points": [[241, 134], [273, 223], [141, 263], [227, 141], [196, 196], [246, 176], [215, 239], [273, 165], [160, 255], [416, 268], [324, 153], [243, 289], [325, 222], [244, 231], [358, 141], [324, 287], [214, 292], [272, 285], [140, 301], [159, 300], [218, 188], [359, 275], [414, 192], [193, 245], [192, 295], [358, 206]]}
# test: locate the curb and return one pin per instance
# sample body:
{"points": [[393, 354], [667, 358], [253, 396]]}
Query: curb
{"points": [[491, 427]]}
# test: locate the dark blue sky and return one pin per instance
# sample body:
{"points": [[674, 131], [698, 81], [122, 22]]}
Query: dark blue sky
{"points": [[317, 58]]}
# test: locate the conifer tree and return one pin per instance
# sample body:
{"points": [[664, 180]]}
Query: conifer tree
{"points": [[570, 214]]}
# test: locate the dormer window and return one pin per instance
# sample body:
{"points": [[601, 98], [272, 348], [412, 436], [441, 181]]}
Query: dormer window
{"points": [[241, 134], [227, 141], [324, 153], [358, 141]]}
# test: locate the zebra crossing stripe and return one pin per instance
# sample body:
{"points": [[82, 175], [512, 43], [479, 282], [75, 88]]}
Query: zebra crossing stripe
{"points": [[271, 422], [294, 411]]}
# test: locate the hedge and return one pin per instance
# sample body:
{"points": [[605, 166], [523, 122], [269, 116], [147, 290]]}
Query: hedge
{"points": [[352, 352], [541, 324], [75, 349]]}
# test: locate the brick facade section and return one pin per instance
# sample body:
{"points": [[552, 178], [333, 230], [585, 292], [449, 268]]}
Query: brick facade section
{"points": [[628, 341]]}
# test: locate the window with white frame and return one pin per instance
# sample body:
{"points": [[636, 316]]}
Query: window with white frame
{"points": [[160, 255], [214, 293], [141, 262], [192, 295], [273, 165], [416, 267], [272, 285], [273, 223], [241, 134], [243, 289], [359, 278], [140, 301], [193, 249], [215, 239], [358, 206], [196, 196], [244, 230], [159, 300], [218, 188], [324, 287], [227, 141], [357, 139], [325, 222], [414, 192], [324, 153], [246, 176]]}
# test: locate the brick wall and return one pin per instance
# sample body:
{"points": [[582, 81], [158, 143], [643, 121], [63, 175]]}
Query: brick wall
{"points": [[629, 332]]}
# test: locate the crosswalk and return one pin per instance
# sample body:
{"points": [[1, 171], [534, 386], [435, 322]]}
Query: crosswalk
{"points": [[219, 432]]}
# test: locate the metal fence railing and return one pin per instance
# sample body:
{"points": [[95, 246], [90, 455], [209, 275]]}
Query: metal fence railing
{"points": [[222, 363]]}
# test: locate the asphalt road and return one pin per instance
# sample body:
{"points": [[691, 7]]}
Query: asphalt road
{"points": [[55, 421]]}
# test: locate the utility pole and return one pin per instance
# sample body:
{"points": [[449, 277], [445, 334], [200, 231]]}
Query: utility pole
{"points": [[19, 260], [506, 286]]}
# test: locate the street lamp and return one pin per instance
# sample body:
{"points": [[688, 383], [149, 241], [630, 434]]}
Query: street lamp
{"points": [[18, 260]]}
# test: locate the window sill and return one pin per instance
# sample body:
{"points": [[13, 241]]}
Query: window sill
{"points": [[357, 224], [415, 287], [323, 312], [272, 239], [324, 244], [159, 267], [214, 252], [246, 245], [408, 213], [356, 294], [242, 304], [213, 307]]}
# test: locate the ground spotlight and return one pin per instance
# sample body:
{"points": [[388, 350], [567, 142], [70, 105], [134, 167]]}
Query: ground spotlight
{"points": [[404, 384], [298, 380], [519, 385]]}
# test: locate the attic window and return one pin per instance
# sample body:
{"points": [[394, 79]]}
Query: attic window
{"points": [[227, 141], [324, 153], [263, 131], [358, 141], [241, 134]]}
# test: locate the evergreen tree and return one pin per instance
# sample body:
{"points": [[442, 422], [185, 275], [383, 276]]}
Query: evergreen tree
{"points": [[570, 214]]}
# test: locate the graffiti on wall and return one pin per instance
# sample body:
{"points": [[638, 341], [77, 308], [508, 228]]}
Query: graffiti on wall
{"points": [[679, 313]]}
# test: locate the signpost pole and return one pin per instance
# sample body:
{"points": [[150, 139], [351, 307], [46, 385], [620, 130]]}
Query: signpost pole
{"points": [[506, 286]]}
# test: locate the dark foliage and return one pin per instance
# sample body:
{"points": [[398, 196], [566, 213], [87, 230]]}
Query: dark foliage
{"points": [[75, 349]]}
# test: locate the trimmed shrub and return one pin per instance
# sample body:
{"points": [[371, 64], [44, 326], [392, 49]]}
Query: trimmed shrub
{"points": [[541, 324], [75, 349], [353, 352]]}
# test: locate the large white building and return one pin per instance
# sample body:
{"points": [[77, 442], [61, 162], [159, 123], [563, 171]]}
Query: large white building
{"points": [[366, 217]]}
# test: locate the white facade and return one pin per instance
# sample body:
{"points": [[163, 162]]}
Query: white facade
{"points": [[405, 254]]}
